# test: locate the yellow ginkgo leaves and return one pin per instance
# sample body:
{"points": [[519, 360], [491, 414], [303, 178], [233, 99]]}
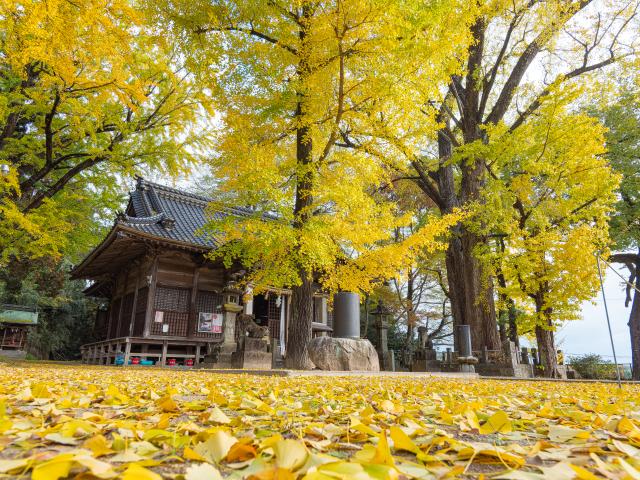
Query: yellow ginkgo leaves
{"points": [[563, 434], [498, 422], [218, 416], [203, 471], [147, 424], [290, 454], [216, 447], [167, 404]]}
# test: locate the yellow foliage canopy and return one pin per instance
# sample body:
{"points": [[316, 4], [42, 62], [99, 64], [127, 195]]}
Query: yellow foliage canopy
{"points": [[551, 192], [292, 81], [89, 95]]}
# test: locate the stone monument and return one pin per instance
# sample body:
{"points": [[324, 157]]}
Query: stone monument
{"points": [[253, 350], [345, 350], [424, 359], [382, 327], [351, 354]]}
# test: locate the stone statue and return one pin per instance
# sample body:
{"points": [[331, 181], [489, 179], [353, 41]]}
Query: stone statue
{"points": [[246, 326], [424, 359], [253, 344]]}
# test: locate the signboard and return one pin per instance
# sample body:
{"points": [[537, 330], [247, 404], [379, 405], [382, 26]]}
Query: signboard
{"points": [[159, 316], [209, 322], [16, 314]]}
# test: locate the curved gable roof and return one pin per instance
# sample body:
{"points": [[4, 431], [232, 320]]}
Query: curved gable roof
{"points": [[158, 213]]}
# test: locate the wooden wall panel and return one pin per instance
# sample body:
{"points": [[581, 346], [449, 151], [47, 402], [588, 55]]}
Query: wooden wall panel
{"points": [[211, 279], [114, 320], [140, 312], [174, 303], [125, 317]]}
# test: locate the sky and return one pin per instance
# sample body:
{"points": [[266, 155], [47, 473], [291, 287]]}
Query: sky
{"points": [[590, 335]]}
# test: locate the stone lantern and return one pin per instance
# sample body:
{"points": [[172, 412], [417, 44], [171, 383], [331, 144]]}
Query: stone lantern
{"points": [[381, 315]]}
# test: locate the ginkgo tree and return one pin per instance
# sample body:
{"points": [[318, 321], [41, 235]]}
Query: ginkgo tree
{"points": [[291, 79], [88, 96], [523, 54], [554, 189], [622, 119]]}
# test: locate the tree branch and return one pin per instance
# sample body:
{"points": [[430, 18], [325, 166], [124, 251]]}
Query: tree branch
{"points": [[249, 31], [523, 63]]}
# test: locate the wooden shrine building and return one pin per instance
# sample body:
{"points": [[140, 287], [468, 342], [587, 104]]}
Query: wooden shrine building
{"points": [[164, 299], [15, 322]]}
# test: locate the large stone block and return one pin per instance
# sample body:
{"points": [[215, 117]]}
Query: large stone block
{"points": [[352, 354], [253, 353]]}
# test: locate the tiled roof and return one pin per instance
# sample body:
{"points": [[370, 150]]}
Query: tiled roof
{"points": [[172, 214]]}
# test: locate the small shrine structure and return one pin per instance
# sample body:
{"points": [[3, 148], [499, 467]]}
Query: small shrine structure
{"points": [[166, 302]]}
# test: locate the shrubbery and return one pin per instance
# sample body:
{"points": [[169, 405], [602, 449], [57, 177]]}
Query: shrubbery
{"points": [[593, 366]]}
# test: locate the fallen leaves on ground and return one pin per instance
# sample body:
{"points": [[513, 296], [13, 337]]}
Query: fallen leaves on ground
{"points": [[59, 421]]}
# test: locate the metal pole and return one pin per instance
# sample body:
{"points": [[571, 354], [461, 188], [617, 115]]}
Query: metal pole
{"points": [[606, 311]]}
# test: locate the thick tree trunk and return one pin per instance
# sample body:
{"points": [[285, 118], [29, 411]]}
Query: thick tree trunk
{"points": [[299, 333], [632, 262], [455, 280], [471, 288], [411, 315], [481, 301], [547, 352], [545, 340], [513, 325], [471, 292], [634, 333], [502, 331]]}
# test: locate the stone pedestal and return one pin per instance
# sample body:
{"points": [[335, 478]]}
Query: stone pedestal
{"points": [[467, 364], [253, 354], [385, 359], [424, 359], [509, 363], [344, 354], [229, 344]]}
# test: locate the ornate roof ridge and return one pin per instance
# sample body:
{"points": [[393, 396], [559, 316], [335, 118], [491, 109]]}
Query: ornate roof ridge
{"points": [[123, 218], [188, 197], [182, 194]]}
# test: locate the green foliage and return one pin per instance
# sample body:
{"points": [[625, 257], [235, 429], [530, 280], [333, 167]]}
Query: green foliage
{"points": [[593, 366], [66, 316], [622, 120]]}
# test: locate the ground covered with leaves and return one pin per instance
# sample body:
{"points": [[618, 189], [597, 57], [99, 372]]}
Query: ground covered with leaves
{"points": [[144, 423]]}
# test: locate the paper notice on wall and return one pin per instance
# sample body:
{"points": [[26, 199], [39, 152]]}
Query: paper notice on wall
{"points": [[209, 322], [217, 323], [165, 328], [159, 317]]}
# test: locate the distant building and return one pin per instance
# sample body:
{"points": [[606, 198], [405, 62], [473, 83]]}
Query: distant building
{"points": [[15, 322], [165, 299]]}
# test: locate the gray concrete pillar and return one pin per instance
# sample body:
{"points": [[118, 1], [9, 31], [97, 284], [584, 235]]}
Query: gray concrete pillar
{"points": [[464, 340], [346, 315]]}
